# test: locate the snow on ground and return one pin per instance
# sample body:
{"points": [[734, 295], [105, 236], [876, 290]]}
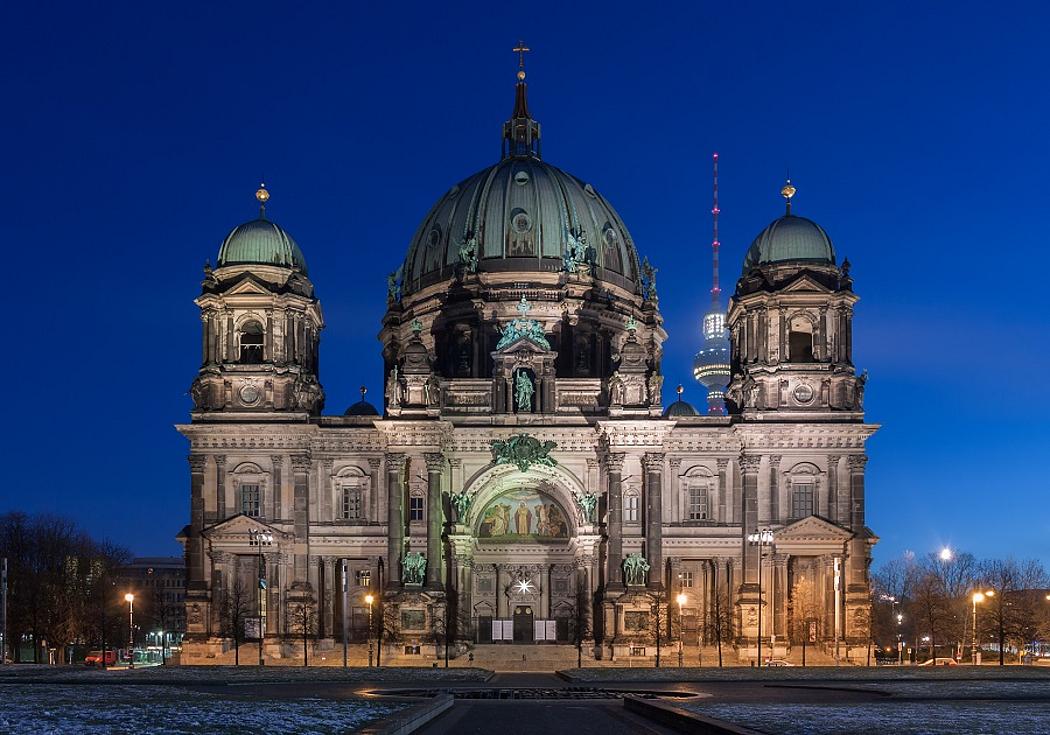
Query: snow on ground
{"points": [[66, 709], [204, 674], [899, 718], [813, 673]]}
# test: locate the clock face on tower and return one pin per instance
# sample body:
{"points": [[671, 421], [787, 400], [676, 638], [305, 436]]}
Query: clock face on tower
{"points": [[803, 393]]}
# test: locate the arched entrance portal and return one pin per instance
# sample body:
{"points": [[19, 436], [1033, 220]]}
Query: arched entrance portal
{"points": [[524, 624]]}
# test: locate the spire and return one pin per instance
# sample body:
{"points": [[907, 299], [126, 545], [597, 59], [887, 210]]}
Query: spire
{"points": [[787, 191], [263, 196], [521, 134], [716, 292]]}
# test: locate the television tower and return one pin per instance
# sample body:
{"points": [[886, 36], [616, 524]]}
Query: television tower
{"points": [[711, 364]]}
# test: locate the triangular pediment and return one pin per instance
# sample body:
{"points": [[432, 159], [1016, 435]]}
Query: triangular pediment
{"points": [[805, 283], [812, 528], [239, 526], [523, 343], [249, 285]]}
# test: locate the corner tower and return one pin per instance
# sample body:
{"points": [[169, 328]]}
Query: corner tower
{"points": [[260, 325], [791, 325]]}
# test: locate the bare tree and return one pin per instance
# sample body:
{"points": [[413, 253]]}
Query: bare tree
{"points": [[929, 605], [720, 624], [302, 621], [237, 604], [804, 613], [1012, 613]]}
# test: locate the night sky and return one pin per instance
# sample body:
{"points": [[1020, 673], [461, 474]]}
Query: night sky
{"points": [[134, 137]]}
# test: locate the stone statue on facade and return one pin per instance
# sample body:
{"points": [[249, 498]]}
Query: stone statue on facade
{"points": [[654, 387], [393, 389], [858, 399], [575, 248], [635, 569], [460, 503], [649, 281], [616, 390], [393, 287], [523, 391], [524, 451], [587, 502], [413, 568], [523, 328], [468, 254]]}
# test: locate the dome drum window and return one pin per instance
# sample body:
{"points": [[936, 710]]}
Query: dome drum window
{"points": [[251, 343]]}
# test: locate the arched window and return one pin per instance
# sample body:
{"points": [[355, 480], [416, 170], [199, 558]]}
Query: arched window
{"points": [[698, 507], [251, 343], [350, 503], [800, 340]]}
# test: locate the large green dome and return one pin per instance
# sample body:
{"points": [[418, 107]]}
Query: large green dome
{"points": [[790, 239], [261, 242]]}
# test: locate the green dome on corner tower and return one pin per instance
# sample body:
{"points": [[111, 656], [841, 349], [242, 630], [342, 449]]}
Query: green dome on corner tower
{"points": [[261, 242], [790, 239]]}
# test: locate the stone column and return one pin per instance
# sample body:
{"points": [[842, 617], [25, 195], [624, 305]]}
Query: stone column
{"points": [[678, 512], [195, 543], [219, 583], [325, 491], [328, 600], [231, 343], [435, 467], [501, 598], [830, 505], [592, 476], [723, 488], [373, 489], [858, 567], [273, 592], [614, 528], [785, 352], [278, 486], [220, 488], [300, 519], [749, 465], [654, 516], [395, 465], [774, 488], [848, 334], [820, 344]]}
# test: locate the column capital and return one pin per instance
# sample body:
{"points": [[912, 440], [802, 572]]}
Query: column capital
{"points": [[774, 460], [857, 462], [455, 463], [300, 463], [675, 463], [721, 463], [614, 461], [750, 462], [374, 463], [395, 461], [653, 461], [327, 465], [592, 463], [197, 462], [435, 461], [277, 460]]}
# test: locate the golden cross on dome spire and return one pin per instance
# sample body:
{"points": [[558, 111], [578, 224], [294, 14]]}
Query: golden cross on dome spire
{"points": [[521, 49], [263, 196]]}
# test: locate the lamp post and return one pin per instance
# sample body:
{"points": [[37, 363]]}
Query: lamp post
{"points": [[900, 640], [680, 599], [131, 629], [369, 600], [259, 539], [977, 597], [761, 539]]}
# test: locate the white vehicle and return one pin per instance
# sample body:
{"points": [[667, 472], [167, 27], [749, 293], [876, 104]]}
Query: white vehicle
{"points": [[777, 662]]}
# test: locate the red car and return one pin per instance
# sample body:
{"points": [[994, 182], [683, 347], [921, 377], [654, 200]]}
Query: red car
{"points": [[94, 658]]}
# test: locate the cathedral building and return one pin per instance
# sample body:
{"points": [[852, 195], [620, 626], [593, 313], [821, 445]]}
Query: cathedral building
{"points": [[522, 482]]}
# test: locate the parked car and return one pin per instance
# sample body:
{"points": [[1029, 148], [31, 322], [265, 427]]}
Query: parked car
{"points": [[94, 658], [777, 662], [939, 661]]}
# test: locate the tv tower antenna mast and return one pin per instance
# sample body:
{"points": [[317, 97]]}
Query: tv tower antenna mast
{"points": [[716, 292]]}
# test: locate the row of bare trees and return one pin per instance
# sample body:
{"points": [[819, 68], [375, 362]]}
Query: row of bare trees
{"points": [[60, 586], [928, 602]]}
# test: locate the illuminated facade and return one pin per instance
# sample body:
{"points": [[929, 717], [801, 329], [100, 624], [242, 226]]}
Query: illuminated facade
{"points": [[522, 482]]}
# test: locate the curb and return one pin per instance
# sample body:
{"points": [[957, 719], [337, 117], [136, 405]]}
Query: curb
{"points": [[411, 719], [682, 720]]}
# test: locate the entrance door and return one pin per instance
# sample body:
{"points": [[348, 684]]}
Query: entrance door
{"points": [[523, 630]]}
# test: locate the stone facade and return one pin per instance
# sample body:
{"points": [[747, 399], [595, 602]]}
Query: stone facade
{"points": [[522, 483]]}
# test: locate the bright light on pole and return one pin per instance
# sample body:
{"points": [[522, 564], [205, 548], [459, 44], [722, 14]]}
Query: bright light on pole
{"points": [[130, 598], [369, 599]]}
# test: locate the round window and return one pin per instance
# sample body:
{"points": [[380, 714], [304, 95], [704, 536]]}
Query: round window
{"points": [[803, 393], [250, 394], [521, 178], [521, 222]]}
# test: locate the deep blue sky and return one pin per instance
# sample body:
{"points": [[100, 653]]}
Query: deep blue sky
{"points": [[133, 137]]}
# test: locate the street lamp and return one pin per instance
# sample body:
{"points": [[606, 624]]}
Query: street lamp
{"points": [[130, 598], [977, 597], [680, 599], [369, 600], [761, 539], [260, 538]]}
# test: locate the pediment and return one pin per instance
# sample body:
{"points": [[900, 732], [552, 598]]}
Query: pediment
{"points": [[523, 343], [812, 528], [239, 526], [805, 283], [249, 285]]}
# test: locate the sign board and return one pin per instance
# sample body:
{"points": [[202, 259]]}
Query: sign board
{"points": [[502, 630], [252, 628], [538, 630]]}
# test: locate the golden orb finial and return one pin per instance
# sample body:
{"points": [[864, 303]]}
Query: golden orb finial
{"points": [[263, 196], [787, 191], [521, 75], [680, 391]]}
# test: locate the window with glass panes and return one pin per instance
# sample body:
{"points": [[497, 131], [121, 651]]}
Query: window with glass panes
{"points": [[351, 503], [687, 579], [697, 504], [802, 499], [250, 502], [415, 508], [631, 509]]}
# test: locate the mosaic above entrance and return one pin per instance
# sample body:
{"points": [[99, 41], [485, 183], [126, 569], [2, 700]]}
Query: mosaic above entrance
{"points": [[523, 515]]}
